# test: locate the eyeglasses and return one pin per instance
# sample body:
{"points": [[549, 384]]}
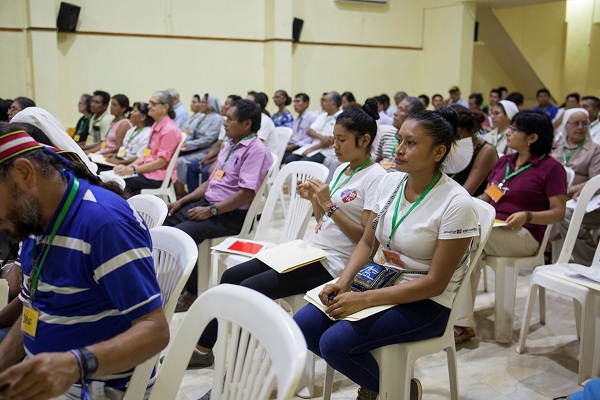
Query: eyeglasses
{"points": [[582, 124], [153, 103]]}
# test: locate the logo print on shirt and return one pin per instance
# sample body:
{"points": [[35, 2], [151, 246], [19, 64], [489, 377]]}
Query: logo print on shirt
{"points": [[348, 195]]}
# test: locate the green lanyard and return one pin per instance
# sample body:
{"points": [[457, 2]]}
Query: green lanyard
{"points": [[336, 187], [110, 126], [572, 153], [82, 123], [199, 123], [395, 222], [326, 121], [508, 175], [134, 134], [235, 146], [499, 139], [37, 267]]}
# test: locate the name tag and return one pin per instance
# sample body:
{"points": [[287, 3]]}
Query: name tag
{"points": [[103, 145], [29, 321], [392, 257], [147, 152], [219, 174], [76, 138], [387, 164], [495, 191], [121, 153]]}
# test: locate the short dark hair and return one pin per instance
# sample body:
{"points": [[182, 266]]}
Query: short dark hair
{"points": [[425, 99], [105, 96], [143, 108], [360, 121], [530, 122], [516, 97], [542, 90], [478, 98], [595, 101], [248, 110], [336, 98], [303, 96], [468, 120], [502, 89], [437, 95], [234, 98], [24, 102], [441, 125], [495, 91], [575, 95], [414, 104], [4, 106], [384, 98], [123, 102], [349, 96]]}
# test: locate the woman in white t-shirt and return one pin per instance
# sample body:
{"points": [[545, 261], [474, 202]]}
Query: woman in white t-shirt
{"points": [[426, 223], [136, 139], [341, 210]]}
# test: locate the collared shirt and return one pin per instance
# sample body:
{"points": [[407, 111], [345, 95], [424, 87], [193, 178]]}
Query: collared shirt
{"points": [[98, 276], [324, 124], [181, 115], [460, 102], [595, 130], [99, 127], [164, 139], [529, 190], [550, 109], [135, 141], [284, 119], [300, 127], [585, 162], [246, 168]]}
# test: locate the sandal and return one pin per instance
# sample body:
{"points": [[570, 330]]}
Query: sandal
{"points": [[462, 333]]}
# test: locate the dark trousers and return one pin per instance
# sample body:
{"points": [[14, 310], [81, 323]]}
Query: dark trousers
{"points": [[194, 176], [255, 274], [135, 184], [226, 224]]}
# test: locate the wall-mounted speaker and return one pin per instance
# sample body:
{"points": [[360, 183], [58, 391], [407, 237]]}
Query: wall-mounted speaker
{"points": [[68, 14], [297, 29]]}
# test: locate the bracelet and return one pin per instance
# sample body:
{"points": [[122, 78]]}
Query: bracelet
{"points": [[332, 210], [528, 216], [329, 206], [82, 374]]}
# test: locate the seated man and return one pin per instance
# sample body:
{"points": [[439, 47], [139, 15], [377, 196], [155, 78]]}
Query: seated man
{"points": [[301, 124], [91, 303], [544, 104], [219, 205], [100, 121], [321, 131]]}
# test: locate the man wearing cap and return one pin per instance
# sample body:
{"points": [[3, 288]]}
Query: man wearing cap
{"points": [[454, 92], [91, 303]]}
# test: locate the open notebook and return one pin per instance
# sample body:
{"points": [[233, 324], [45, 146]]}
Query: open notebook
{"points": [[288, 256]]}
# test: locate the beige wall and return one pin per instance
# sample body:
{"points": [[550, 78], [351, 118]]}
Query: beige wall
{"points": [[136, 47]]}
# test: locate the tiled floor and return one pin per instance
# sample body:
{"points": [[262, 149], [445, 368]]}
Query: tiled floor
{"points": [[487, 370]]}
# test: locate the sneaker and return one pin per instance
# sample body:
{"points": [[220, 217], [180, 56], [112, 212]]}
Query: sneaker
{"points": [[199, 360], [416, 390], [366, 394], [206, 396]]}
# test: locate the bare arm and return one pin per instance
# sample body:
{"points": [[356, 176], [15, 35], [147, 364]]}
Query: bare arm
{"points": [[555, 213], [196, 195], [484, 162], [141, 169]]}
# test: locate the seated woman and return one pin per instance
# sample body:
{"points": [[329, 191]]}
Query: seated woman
{"points": [[501, 114], [203, 133], [528, 189], [119, 108], [578, 151], [136, 138], [347, 100], [341, 210], [18, 104], [164, 138], [83, 125], [283, 117], [474, 176], [428, 228]]}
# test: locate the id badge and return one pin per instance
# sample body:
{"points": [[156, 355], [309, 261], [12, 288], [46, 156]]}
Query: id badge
{"points": [[495, 191], [392, 257], [387, 164], [29, 321], [121, 153], [295, 135], [147, 152], [76, 138], [103, 145], [219, 174]]}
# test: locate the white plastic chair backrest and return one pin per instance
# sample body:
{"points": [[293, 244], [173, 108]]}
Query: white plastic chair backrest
{"points": [[486, 214], [172, 164], [299, 210], [589, 190], [283, 135], [258, 346], [570, 176], [113, 178], [151, 208], [174, 253], [253, 209]]}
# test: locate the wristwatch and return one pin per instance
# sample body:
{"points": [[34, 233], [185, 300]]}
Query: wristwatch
{"points": [[214, 210], [89, 360]]}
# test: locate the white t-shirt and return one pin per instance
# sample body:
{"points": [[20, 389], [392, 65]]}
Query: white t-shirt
{"points": [[352, 197], [324, 125], [595, 130], [447, 212], [135, 142], [266, 133]]}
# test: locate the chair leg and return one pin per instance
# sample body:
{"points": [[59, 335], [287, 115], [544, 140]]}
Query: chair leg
{"points": [[306, 387], [506, 277], [578, 312], [328, 384], [452, 371], [485, 287], [542, 305], [395, 372], [527, 316], [587, 341]]}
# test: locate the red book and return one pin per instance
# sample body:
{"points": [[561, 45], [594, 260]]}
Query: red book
{"points": [[245, 247]]}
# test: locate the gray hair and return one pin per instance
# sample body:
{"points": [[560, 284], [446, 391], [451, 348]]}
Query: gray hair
{"points": [[166, 98], [173, 92]]}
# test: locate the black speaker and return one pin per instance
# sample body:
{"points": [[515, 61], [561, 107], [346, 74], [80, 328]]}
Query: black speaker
{"points": [[296, 29], [67, 17]]}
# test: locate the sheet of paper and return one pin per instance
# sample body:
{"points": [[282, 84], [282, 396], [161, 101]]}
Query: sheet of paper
{"points": [[574, 277], [302, 149], [593, 205], [291, 255], [499, 223], [99, 159], [111, 174], [312, 296]]}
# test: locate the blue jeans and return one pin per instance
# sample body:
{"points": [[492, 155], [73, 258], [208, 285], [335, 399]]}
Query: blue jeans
{"points": [[346, 345], [194, 176]]}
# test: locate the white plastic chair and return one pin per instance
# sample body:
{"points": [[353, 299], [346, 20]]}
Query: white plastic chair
{"points": [[3, 293], [114, 178], [259, 347], [396, 362], [204, 252], [295, 223], [174, 253], [583, 297], [151, 208], [283, 135], [570, 176], [166, 189]]}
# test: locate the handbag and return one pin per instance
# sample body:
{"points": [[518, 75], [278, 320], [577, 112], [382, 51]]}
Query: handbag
{"points": [[374, 275]]}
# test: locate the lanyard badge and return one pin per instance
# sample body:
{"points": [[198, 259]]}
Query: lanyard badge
{"points": [[496, 190]]}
